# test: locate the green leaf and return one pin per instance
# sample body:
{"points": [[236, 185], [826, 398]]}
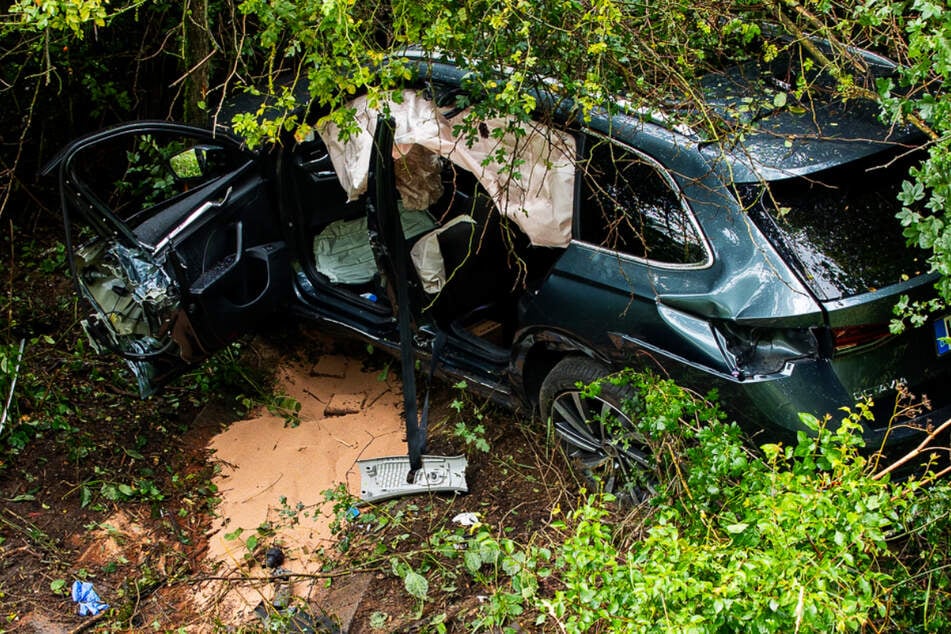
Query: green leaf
{"points": [[378, 620], [234, 534], [473, 561], [416, 584]]}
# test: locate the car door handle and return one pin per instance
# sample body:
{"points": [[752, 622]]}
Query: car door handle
{"points": [[191, 219], [220, 270]]}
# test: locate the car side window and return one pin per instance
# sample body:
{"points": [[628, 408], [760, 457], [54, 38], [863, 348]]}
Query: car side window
{"points": [[136, 175], [629, 204]]}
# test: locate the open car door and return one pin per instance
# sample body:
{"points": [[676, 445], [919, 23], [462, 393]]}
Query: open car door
{"points": [[172, 241]]}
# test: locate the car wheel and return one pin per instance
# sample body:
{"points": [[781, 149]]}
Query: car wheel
{"points": [[598, 436]]}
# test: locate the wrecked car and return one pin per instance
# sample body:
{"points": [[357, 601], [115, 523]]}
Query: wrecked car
{"points": [[765, 266]]}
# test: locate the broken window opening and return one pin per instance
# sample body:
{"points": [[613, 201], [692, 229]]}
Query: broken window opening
{"points": [[839, 227], [628, 205]]}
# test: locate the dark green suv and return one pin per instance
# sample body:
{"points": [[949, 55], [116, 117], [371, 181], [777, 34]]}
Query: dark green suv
{"points": [[524, 257]]}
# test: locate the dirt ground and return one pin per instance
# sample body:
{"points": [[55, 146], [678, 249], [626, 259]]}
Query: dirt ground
{"points": [[274, 474], [169, 505]]}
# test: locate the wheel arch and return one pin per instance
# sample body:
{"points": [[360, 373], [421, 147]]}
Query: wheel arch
{"points": [[537, 352]]}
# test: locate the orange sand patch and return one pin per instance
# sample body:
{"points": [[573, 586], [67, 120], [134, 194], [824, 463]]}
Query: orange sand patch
{"points": [[346, 414]]}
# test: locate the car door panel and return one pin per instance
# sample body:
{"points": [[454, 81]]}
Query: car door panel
{"points": [[232, 265], [179, 250]]}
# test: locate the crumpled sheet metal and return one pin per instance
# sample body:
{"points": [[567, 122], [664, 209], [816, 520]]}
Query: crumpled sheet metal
{"points": [[148, 281]]}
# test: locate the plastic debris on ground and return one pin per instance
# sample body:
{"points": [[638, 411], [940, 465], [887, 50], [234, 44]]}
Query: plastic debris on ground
{"points": [[384, 478], [273, 557], [88, 599], [466, 519], [292, 620], [280, 615]]}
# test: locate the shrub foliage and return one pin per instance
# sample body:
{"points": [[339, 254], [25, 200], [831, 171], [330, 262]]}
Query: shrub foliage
{"points": [[799, 538]]}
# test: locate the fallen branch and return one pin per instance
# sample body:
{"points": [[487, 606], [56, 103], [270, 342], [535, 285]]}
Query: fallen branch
{"points": [[89, 622], [288, 575], [856, 90], [917, 451], [32, 534]]}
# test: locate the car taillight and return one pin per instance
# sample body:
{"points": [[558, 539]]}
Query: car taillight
{"points": [[851, 337], [758, 351]]}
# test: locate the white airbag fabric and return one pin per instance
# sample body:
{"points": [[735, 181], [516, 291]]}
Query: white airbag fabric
{"points": [[427, 257], [536, 194]]}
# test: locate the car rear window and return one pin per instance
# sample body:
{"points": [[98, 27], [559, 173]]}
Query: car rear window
{"points": [[838, 227]]}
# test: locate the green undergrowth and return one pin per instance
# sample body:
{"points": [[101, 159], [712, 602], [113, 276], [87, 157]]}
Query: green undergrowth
{"points": [[790, 538], [77, 445]]}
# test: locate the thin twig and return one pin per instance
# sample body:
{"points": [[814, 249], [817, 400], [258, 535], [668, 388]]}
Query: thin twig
{"points": [[858, 91], [89, 623], [22, 143], [13, 384], [289, 575], [193, 68], [31, 532]]}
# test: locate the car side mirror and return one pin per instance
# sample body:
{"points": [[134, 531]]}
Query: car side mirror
{"points": [[196, 162]]}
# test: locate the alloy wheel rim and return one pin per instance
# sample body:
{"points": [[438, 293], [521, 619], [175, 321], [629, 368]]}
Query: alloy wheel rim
{"points": [[588, 427]]}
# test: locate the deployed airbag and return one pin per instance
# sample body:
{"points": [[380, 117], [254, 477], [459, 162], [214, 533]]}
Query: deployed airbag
{"points": [[537, 194], [428, 259], [343, 253]]}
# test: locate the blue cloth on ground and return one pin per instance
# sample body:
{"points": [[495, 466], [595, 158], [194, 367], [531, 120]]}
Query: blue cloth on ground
{"points": [[89, 602]]}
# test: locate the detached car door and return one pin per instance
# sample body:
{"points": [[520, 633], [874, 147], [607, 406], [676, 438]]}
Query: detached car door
{"points": [[173, 242]]}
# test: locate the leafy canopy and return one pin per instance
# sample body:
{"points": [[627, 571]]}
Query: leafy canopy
{"points": [[651, 54]]}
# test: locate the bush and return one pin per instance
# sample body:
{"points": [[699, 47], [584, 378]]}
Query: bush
{"points": [[790, 539]]}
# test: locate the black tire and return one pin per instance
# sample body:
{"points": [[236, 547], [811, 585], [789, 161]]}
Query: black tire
{"points": [[613, 456]]}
